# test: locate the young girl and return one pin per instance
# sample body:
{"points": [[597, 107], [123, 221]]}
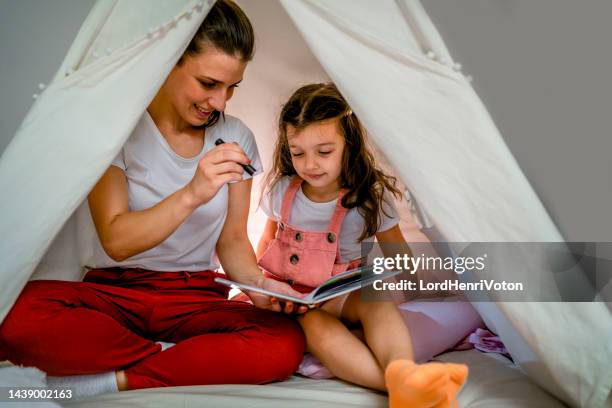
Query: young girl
{"points": [[325, 196]]}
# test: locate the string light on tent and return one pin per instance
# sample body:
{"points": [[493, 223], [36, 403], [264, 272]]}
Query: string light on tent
{"points": [[151, 32], [432, 56], [41, 86], [456, 66], [199, 6]]}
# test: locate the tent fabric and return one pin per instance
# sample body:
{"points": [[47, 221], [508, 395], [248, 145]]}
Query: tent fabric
{"points": [[80, 122], [422, 115]]}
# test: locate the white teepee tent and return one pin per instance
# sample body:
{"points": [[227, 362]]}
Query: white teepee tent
{"points": [[421, 112]]}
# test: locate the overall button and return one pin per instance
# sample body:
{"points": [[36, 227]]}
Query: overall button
{"points": [[294, 259], [331, 237], [298, 236]]}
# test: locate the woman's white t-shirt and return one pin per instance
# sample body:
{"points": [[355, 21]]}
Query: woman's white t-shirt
{"points": [[154, 171], [309, 215]]}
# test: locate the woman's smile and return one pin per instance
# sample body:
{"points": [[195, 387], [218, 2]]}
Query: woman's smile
{"points": [[201, 112]]}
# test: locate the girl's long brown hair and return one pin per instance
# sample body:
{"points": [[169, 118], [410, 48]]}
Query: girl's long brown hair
{"points": [[365, 182]]}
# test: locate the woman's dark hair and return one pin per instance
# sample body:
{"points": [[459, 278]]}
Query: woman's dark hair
{"points": [[365, 182], [228, 29]]}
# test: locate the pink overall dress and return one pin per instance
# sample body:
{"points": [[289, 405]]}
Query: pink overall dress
{"points": [[305, 259]]}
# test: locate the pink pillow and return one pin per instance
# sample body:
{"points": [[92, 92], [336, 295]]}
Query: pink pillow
{"points": [[437, 325]]}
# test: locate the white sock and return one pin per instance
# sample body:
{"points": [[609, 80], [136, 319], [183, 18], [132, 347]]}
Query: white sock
{"points": [[164, 345], [85, 385]]}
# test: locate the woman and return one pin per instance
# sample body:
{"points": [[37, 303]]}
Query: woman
{"points": [[169, 202]]}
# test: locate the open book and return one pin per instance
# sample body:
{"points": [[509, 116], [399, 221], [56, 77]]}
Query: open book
{"points": [[335, 286]]}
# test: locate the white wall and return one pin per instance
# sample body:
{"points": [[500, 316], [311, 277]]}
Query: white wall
{"points": [[34, 37], [543, 70]]}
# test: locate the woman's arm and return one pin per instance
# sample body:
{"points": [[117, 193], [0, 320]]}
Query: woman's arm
{"points": [[233, 247], [236, 253], [124, 233], [267, 236]]}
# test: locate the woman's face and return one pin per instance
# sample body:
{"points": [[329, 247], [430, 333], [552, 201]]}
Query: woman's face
{"points": [[203, 83]]}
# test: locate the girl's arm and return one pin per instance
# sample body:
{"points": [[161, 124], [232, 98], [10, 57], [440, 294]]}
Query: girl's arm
{"points": [[267, 236], [124, 233], [236, 253], [392, 243]]}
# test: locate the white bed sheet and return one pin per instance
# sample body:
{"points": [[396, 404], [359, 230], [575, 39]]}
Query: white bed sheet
{"points": [[493, 382]]}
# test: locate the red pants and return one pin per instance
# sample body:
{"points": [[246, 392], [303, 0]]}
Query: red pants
{"points": [[112, 319]]}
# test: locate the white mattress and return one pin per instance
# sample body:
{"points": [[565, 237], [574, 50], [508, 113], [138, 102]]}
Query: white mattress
{"points": [[493, 382]]}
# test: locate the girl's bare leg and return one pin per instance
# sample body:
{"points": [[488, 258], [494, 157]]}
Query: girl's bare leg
{"points": [[409, 384], [385, 363], [384, 329], [340, 351]]}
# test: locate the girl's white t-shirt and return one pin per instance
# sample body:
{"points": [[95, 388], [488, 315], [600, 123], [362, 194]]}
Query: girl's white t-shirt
{"points": [[312, 216], [154, 171]]}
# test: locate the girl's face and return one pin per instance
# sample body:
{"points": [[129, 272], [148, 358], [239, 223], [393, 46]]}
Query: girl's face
{"points": [[202, 84], [316, 153]]}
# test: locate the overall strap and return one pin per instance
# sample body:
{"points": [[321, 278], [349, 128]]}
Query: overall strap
{"points": [[335, 223], [288, 198]]}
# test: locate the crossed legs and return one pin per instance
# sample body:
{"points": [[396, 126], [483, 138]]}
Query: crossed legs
{"points": [[384, 360]]}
